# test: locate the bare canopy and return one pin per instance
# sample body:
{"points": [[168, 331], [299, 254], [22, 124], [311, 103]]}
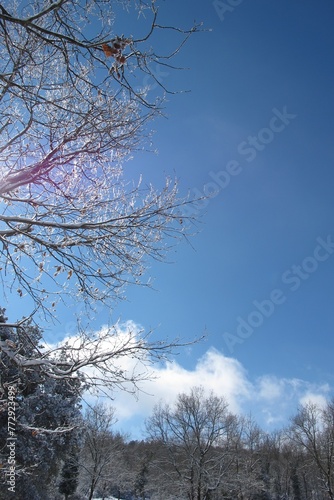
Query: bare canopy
{"points": [[74, 102]]}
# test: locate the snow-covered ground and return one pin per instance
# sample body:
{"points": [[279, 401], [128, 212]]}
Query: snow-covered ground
{"points": [[107, 498]]}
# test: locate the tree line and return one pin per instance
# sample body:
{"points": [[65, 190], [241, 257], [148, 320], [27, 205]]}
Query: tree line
{"points": [[194, 449]]}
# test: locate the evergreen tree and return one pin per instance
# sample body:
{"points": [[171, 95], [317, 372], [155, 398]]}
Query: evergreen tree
{"points": [[141, 481], [296, 484], [69, 476], [47, 416]]}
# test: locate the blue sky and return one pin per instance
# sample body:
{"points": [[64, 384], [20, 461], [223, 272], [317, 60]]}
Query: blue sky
{"points": [[256, 131]]}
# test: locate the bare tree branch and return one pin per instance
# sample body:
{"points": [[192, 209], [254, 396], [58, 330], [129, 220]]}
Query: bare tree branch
{"points": [[74, 105], [114, 357]]}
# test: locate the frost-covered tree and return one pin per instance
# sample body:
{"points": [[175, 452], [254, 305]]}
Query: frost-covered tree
{"points": [[193, 432], [116, 357], [312, 430], [47, 417], [75, 101], [101, 463]]}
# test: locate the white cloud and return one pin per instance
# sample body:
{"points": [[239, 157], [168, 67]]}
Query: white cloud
{"points": [[279, 398], [270, 388], [270, 399], [311, 397], [213, 371]]}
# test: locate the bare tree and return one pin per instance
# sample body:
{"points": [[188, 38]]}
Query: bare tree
{"points": [[313, 430], [101, 455], [193, 434], [244, 444], [74, 103]]}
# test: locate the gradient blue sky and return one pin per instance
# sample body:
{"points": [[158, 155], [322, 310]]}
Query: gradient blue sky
{"points": [[262, 59]]}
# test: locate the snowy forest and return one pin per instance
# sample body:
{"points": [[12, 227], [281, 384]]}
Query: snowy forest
{"points": [[78, 93]]}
